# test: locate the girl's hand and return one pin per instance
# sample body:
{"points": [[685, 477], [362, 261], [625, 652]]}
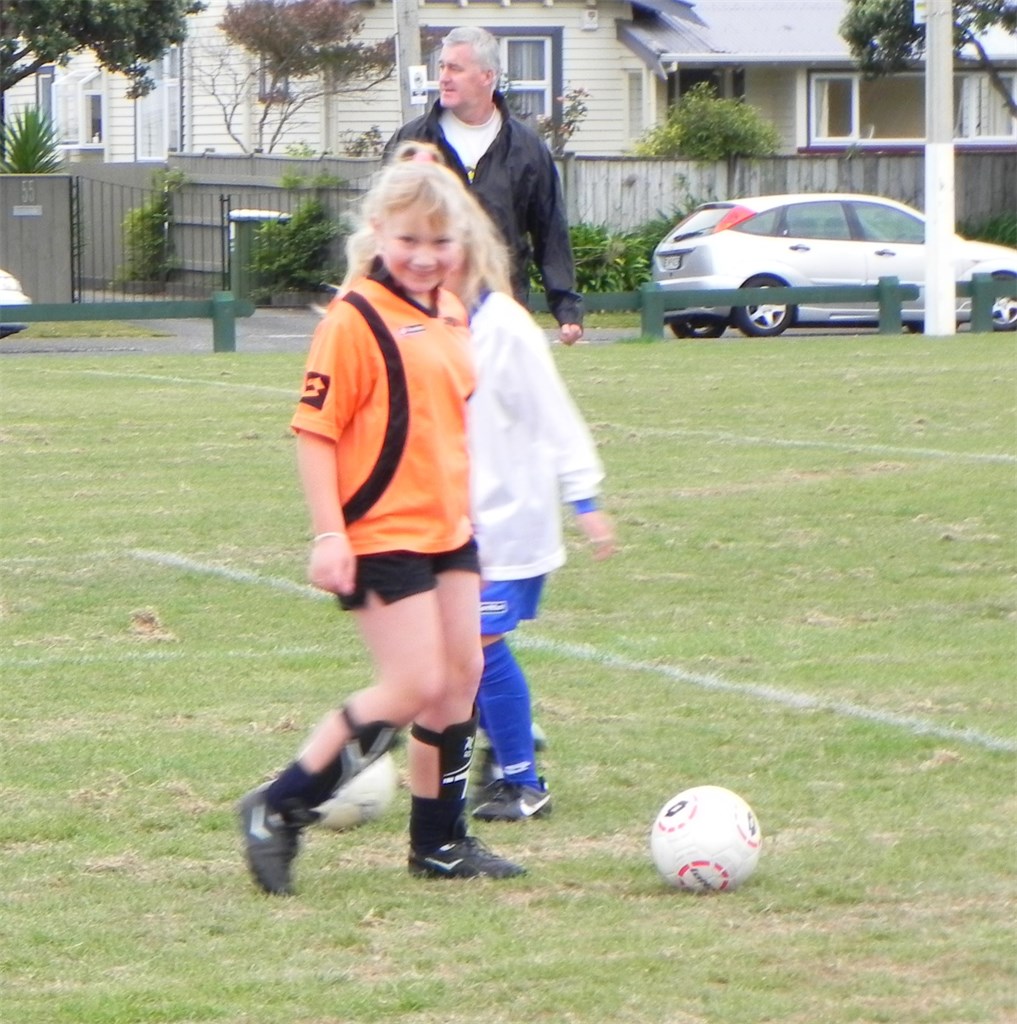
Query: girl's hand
{"points": [[599, 532], [332, 565]]}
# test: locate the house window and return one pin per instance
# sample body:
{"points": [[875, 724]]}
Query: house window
{"points": [[157, 115], [527, 67], [44, 91], [847, 108], [979, 110], [272, 87], [79, 108]]}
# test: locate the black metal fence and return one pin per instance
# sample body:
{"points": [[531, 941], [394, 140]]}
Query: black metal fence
{"points": [[168, 243]]}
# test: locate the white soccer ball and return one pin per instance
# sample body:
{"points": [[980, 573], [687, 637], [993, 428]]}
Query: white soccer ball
{"points": [[705, 839], [366, 797]]}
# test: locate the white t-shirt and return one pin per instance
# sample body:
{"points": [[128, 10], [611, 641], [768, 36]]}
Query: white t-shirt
{"points": [[470, 141]]}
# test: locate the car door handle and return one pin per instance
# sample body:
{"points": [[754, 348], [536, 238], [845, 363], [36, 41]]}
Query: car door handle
{"points": [[886, 252], [800, 248]]}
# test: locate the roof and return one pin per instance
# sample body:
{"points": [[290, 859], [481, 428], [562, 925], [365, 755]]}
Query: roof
{"points": [[717, 32], [704, 32]]}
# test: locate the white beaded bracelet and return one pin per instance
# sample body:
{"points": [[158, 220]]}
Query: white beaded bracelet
{"points": [[326, 535]]}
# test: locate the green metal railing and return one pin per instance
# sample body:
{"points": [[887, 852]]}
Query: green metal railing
{"points": [[653, 300], [222, 309]]}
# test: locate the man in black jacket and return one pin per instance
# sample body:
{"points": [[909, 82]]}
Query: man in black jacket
{"points": [[508, 167]]}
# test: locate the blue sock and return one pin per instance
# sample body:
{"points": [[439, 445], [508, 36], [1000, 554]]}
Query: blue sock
{"points": [[506, 715]]}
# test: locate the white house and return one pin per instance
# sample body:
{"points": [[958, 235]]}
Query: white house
{"points": [[633, 59]]}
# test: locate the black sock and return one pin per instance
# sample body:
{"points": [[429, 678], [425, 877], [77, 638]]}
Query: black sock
{"points": [[434, 823]]}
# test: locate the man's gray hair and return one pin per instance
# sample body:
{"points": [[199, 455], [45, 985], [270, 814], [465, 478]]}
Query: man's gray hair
{"points": [[484, 45]]}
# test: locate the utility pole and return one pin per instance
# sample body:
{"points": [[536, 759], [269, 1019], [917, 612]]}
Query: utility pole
{"points": [[940, 203], [407, 29]]}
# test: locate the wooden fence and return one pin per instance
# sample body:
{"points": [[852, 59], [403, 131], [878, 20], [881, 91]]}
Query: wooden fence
{"points": [[624, 193]]}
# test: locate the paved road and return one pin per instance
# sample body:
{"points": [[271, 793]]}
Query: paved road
{"points": [[268, 330]]}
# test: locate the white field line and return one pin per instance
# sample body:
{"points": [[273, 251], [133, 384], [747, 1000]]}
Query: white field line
{"points": [[840, 446], [161, 378], [164, 653], [769, 694], [172, 561], [582, 652], [712, 435]]}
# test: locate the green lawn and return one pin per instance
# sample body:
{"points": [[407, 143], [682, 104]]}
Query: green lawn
{"points": [[814, 605]]}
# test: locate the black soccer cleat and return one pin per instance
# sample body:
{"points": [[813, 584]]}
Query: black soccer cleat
{"points": [[489, 770], [271, 844], [511, 801], [462, 858]]}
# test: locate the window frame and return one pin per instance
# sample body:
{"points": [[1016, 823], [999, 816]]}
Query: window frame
{"points": [[166, 95], [970, 89], [74, 98]]}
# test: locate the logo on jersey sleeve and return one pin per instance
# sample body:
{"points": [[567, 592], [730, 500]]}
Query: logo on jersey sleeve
{"points": [[315, 389]]}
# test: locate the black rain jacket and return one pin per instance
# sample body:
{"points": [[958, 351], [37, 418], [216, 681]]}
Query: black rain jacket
{"points": [[517, 183]]}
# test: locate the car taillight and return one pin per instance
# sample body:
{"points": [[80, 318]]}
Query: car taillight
{"points": [[736, 215]]}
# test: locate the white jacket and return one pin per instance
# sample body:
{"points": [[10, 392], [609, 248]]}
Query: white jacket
{"points": [[530, 449]]}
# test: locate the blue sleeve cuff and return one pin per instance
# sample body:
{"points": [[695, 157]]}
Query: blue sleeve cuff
{"points": [[584, 505]]}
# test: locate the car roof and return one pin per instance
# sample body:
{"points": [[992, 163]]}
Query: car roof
{"points": [[759, 203]]}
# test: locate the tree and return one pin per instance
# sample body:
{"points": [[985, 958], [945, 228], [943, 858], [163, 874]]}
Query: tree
{"points": [[884, 38], [125, 35], [301, 50]]}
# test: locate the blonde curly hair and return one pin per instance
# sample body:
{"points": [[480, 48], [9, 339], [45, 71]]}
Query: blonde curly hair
{"points": [[418, 178]]}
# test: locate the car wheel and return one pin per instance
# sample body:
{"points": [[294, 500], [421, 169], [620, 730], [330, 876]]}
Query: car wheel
{"points": [[1004, 309], [697, 328], [765, 320]]}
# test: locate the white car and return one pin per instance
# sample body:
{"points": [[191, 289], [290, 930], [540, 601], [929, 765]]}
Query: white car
{"points": [[11, 294], [812, 239]]}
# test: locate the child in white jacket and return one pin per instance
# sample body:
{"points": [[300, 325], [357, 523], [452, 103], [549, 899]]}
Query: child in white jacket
{"points": [[530, 450]]}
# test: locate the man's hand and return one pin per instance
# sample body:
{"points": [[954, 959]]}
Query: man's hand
{"points": [[569, 334]]}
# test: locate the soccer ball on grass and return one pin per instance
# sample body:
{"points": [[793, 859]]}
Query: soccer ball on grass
{"points": [[705, 839], [366, 797]]}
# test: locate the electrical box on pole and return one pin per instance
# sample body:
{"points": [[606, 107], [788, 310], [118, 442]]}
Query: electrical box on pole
{"points": [[940, 208]]}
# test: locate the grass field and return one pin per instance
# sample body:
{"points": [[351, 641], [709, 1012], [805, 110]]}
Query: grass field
{"points": [[814, 605]]}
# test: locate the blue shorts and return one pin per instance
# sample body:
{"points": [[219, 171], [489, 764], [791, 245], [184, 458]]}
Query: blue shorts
{"points": [[505, 603]]}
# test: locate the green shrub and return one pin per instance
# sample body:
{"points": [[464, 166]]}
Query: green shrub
{"points": [[292, 255], [607, 262], [702, 127], [612, 262], [1001, 229], [148, 242], [30, 144]]}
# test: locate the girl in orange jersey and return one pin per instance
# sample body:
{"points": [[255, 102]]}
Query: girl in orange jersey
{"points": [[382, 457]]}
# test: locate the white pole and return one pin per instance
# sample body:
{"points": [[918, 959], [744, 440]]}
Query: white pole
{"points": [[407, 27], [940, 207]]}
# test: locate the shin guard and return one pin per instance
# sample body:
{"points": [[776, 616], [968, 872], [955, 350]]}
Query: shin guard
{"points": [[366, 744], [455, 752]]}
